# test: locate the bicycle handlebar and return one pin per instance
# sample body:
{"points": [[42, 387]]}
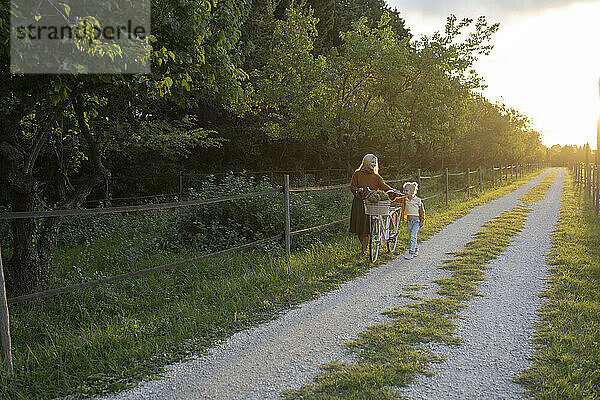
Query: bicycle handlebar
{"points": [[368, 189]]}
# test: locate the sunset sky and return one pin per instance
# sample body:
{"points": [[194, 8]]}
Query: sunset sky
{"points": [[545, 62]]}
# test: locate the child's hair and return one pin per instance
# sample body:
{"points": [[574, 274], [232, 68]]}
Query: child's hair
{"points": [[412, 185]]}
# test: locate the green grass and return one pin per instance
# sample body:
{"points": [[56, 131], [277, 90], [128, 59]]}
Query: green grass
{"points": [[104, 339], [391, 355], [567, 360], [539, 191]]}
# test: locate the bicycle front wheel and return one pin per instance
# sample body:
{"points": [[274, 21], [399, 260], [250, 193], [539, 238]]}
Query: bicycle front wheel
{"points": [[394, 228], [374, 239]]}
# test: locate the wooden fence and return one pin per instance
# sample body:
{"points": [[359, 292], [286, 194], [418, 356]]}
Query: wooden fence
{"points": [[587, 179], [496, 176]]}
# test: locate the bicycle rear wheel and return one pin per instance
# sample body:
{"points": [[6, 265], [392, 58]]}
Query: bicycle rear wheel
{"points": [[394, 229], [374, 239]]}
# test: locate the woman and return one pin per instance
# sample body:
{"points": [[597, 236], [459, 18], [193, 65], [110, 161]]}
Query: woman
{"points": [[367, 175]]}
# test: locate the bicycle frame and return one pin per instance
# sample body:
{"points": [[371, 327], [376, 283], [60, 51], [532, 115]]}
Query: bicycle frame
{"points": [[384, 230]]}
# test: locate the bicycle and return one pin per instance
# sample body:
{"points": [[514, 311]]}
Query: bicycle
{"points": [[383, 227]]}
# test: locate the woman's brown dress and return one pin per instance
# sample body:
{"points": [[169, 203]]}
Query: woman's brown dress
{"points": [[359, 221]]}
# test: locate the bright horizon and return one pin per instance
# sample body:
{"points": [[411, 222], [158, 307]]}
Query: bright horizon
{"points": [[545, 62]]}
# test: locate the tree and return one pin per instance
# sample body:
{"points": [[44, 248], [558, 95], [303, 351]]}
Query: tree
{"points": [[441, 81], [57, 127]]}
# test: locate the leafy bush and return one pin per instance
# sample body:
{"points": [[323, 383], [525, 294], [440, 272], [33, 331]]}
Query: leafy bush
{"points": [[223, 225], [114, 243]]}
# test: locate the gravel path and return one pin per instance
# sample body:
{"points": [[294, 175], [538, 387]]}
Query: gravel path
{"points": [[286, 353], [498, 327]]}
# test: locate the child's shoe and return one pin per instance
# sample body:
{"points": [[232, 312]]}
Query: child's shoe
{"points": [[408, 256]]}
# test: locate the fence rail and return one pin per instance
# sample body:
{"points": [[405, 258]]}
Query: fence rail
{"points": [[175, 181], [121, 277], [314, 228], [286, 235], [309, 189]]}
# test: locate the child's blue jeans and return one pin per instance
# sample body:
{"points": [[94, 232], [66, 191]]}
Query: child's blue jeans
{"points": [[413, 228]]}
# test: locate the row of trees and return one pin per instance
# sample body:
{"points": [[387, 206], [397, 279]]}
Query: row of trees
{"points": [[412, 102], [240, 84], [570, 154]]}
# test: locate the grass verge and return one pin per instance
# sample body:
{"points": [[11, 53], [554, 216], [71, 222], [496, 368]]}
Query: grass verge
{"points": [[567, 360], [391, 355], [103, 340]]}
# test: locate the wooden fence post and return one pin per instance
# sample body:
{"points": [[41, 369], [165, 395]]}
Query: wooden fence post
{"points": [[493, 183], [597, 188], [468, 182], [585, 177], [180, 183], [419, 182], [480, 179], [5, 324], [447, 186], [593, 183], [589, 179], [592, 178], [286, 209]]}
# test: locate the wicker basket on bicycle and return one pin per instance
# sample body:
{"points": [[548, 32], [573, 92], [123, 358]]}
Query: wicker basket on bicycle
{"points": [[378, 208]]}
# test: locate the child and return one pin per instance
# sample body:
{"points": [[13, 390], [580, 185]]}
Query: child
{"points": [[414, 213]]}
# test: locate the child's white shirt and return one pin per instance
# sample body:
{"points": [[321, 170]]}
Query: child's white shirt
{"points": [[412, 206]]}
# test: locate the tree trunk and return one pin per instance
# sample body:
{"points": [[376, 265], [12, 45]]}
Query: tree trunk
{"points": [[23, 272], [401, 146], [33, 245]]}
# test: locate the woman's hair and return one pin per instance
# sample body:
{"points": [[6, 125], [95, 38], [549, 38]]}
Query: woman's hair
{"points": [[366, 163], [412, 185]]}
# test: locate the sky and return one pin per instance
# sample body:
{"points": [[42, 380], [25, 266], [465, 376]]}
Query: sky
{"points": [[545, 62]]}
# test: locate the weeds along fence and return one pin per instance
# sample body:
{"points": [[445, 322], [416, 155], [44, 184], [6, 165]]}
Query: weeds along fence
{"points": [[441, 186], [587, 179]]}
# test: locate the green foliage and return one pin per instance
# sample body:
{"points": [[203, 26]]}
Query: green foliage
{"points": [[566, 155], [376, 196], [377, 88]]}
